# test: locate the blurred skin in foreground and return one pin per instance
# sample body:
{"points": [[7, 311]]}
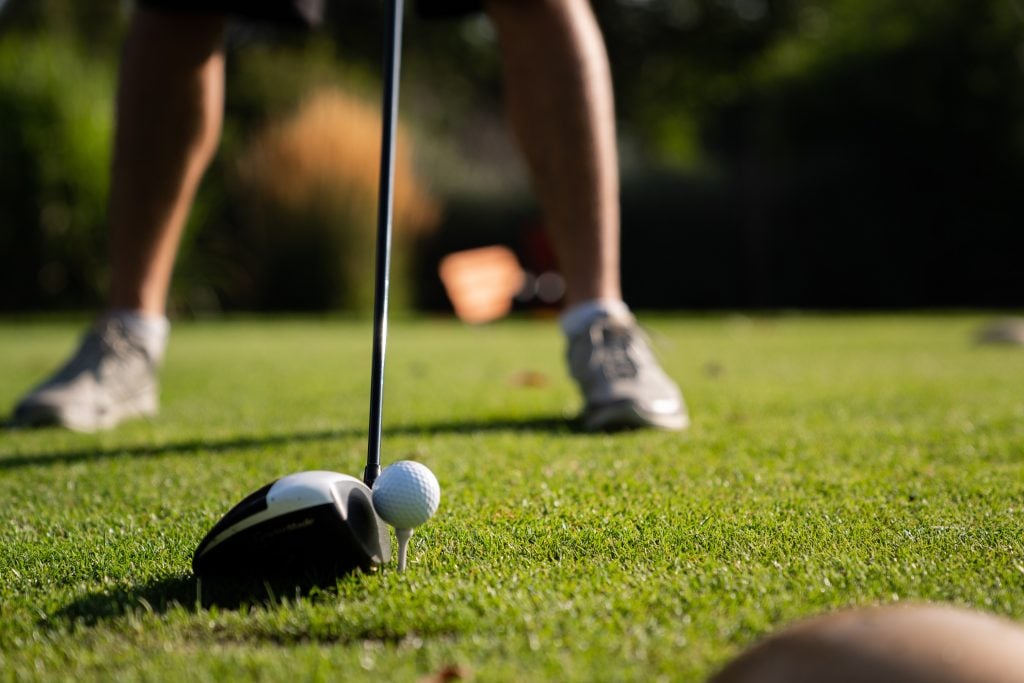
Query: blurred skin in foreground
{"points": [[893, 644]]}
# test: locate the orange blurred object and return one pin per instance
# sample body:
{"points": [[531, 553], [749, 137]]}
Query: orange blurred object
{"points": [[481, 283]]}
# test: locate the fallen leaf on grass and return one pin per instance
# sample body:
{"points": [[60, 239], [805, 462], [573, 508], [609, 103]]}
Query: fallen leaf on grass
{"points": [[449, 672], [529, 378]]}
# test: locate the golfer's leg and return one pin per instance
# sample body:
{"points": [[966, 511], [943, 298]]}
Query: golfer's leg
{"points": [[559, 99], [169, 112], [168, 122], [560, 105]]}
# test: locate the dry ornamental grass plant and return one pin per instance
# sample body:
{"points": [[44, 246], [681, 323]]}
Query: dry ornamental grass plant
{"points": [[311, 183]]}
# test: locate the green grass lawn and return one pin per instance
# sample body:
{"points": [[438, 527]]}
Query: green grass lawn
{"points": [[832, 461]]}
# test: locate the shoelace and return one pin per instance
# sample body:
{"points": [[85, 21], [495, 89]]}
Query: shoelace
{"points": [[114, 344], [112, 337], [611, 343]]}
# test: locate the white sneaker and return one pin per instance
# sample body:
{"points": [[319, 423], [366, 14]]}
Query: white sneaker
{"points": [[110, 378], [623, 385]]}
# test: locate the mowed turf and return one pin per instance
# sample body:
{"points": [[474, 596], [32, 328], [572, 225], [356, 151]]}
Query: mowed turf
{"points": [[832, 461]]}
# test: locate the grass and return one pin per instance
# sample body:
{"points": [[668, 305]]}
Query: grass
{"points": [[833, 461]]}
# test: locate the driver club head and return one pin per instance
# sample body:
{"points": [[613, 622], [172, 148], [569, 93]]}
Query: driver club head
{"points": [[311, 524]]}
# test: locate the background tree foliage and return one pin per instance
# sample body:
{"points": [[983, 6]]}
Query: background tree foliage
{"points": [[825, 153]]}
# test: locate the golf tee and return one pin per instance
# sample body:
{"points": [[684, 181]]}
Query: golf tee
{"points": [[403, 545]]}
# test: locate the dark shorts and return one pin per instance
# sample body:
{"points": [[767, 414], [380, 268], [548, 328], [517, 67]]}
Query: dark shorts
{"points": [[303, 12]]}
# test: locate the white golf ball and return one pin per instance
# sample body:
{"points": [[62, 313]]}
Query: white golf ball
{"points": [[406, 494]]}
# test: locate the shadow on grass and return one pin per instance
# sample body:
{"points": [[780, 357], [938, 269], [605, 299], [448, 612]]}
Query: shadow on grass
{"points": [[157, 596], [189, 593], [10, 461]]}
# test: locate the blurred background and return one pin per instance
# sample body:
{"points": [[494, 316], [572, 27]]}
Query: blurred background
{"points": [[827, 154]]}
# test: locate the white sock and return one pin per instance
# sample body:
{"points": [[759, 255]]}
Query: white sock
{"points": [[149, 330], [579, 317]]}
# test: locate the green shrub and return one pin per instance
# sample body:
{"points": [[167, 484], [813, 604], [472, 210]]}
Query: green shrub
{"points": [[56, 120]]}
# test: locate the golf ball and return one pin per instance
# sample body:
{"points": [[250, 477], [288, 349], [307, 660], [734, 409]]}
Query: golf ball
{"points": [[406, 494]]}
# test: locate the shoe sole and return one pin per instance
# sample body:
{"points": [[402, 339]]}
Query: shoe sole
{"points": [[35, 416], [626, 415]]}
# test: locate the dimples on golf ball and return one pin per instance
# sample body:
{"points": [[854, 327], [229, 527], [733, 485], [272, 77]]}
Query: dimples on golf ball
{"points": [[406, 494]]}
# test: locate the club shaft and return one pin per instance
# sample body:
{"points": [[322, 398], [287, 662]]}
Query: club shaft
{"points": [[385, 215]]}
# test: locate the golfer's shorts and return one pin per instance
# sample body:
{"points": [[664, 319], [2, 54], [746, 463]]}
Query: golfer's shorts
{"points": [[302, 12]]}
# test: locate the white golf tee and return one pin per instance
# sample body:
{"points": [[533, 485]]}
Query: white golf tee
{"points": [[403, 545]]}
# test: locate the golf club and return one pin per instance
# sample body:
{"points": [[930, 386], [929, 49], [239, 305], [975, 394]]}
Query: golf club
{"points": [[321, 524]]}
